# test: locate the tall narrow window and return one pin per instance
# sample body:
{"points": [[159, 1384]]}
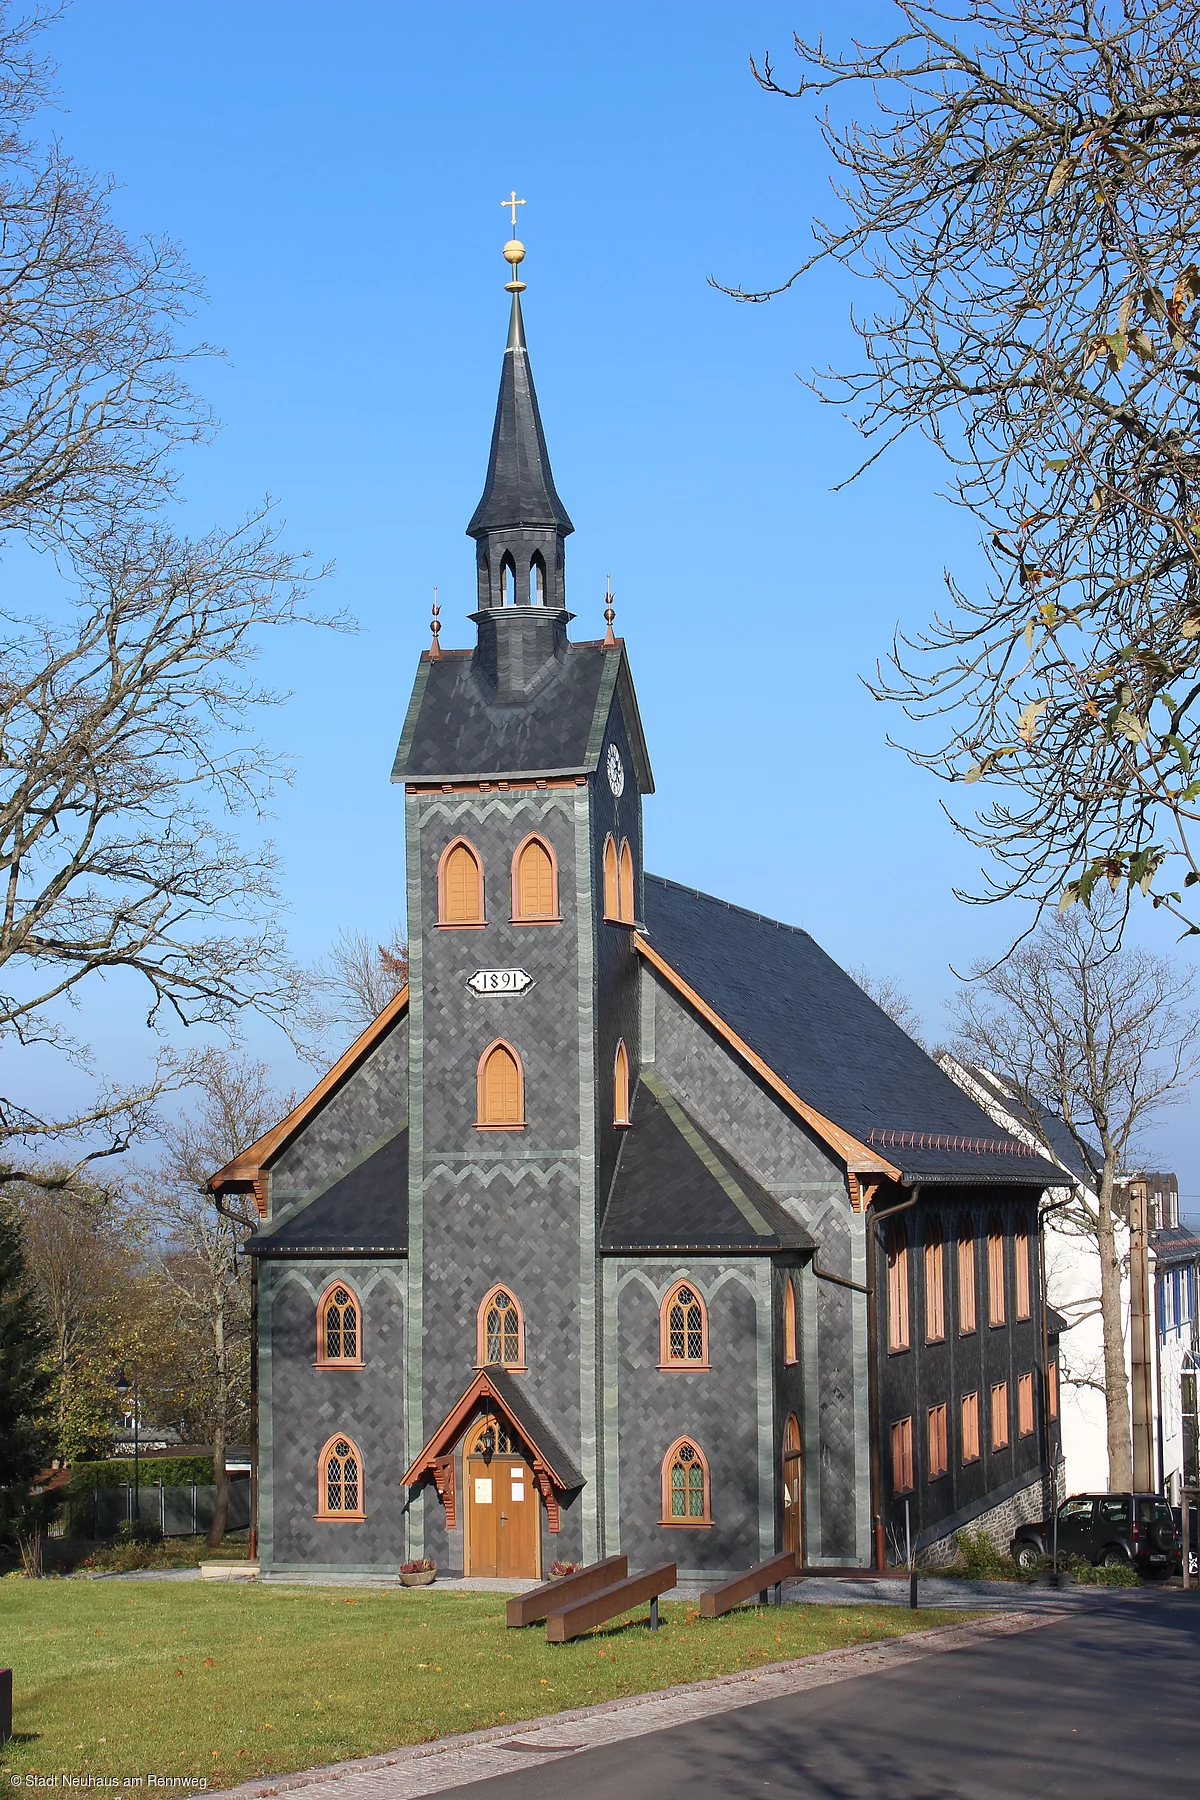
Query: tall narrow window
{"points": [[340, 1481], [902, 1456], [460, 885], [1025, 1405], [1021, 1256], [897, 1287], [966, 1278], [995, 1269], [1052, 1389], [621, 1085], [970, 1428], [1000, 1416], [500, 1331], [537, 582], [612, 891], [501, 1095], [534, 883], [685, 1491], [625, 884], [938, 1457], [339, 1328], [789, 1321], [683, 1329], [935, 1284]]}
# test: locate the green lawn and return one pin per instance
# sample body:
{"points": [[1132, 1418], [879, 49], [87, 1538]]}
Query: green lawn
{"points": [[149, 1678]]}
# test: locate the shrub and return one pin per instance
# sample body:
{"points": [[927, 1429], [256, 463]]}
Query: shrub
{"points": [[1088, 1575], [981, 1561], [117, 1471], [138, 1531]]}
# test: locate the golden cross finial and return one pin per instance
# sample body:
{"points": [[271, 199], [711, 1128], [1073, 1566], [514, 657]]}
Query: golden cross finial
{"points": [[512, 203]]}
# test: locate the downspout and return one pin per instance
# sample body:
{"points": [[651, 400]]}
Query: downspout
{"points": [[873, 1217]]}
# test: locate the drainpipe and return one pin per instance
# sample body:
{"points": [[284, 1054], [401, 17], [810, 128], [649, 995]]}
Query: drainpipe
{"points": [[874, 1217]]}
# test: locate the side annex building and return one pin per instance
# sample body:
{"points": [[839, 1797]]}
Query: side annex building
{"points": [[631, 1224]]}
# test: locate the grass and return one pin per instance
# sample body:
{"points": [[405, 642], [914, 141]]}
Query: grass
{"points": [[126, 1679]]}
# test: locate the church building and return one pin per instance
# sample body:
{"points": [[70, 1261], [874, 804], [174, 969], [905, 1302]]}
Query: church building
{"points": [[631, 1224]]}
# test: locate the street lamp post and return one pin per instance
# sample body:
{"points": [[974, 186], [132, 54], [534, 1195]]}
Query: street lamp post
{"points": [[123, 1389]]}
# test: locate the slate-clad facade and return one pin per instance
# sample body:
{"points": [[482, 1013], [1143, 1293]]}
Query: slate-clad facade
{"points": [[503, 1317]]}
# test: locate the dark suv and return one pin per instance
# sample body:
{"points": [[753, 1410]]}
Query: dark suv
{"points": [[1135, 1529]]}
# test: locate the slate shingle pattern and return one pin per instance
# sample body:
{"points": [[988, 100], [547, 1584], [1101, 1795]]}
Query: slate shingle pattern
{"points": [[818, 1030], [363, 1213]]}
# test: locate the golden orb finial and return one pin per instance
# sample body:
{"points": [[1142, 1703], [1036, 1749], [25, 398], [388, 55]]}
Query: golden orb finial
{"points": [[514, 250]]}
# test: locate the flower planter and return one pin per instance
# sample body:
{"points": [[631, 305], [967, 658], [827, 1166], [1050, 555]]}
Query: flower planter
{"points": [[422, 1578]]}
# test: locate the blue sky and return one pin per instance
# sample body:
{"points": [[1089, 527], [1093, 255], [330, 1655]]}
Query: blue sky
{"points": [[335, 172]]}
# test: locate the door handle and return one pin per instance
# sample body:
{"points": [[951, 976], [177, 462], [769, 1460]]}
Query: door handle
{"points": [[504, 1518]]}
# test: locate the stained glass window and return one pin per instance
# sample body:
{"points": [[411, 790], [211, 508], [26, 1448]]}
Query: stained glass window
{"points": [[685, 1483]]}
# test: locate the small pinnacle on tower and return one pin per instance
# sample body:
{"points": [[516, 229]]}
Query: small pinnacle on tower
{"points": [[435, 626], [609, 614], [514, 251]]}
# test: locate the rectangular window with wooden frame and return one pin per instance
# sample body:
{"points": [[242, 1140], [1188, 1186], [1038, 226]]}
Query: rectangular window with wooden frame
{"points": [[966, 1281], [995, 1276], [897, 1288], [1000, 1416], [935, 1285], [1025, 1405], [970, 1428], [1024, 1285], [902, 1456], [1052, 1389], [937, 1442]]}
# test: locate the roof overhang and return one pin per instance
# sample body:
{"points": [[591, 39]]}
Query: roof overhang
{"points": [[493, 1389]]}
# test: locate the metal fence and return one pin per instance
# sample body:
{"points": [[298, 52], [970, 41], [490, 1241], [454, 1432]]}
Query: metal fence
{"points": [[174, 1511]]}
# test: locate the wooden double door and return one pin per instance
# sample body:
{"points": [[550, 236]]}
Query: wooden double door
{"points": [[503, 1512]]}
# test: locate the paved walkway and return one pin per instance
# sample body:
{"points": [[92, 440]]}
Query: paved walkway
{"points": [[508, 1750]]}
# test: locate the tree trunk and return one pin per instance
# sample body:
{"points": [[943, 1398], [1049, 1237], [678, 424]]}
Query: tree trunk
{"points": [[221, 1418], [1116, 1380]]}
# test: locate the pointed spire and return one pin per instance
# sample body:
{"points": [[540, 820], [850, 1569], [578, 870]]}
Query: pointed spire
{"points": [[519, 491]]}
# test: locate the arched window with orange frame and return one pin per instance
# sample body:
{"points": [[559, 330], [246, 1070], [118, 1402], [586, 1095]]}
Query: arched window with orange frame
{"points": [[625, 884], [460, 885], [534, 883], [339, 1328], [683, 1328], [621, 1085], [340, 1490], [686, 1496], [612, 890], [789, 1321], [500, 1331], [501, 1089]]}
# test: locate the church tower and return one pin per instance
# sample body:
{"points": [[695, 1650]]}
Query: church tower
{"points": [[524, 766]]}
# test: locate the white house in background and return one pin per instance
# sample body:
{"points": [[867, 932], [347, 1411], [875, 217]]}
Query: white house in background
{"points": [[1072, 1279], [1177, 1291]]}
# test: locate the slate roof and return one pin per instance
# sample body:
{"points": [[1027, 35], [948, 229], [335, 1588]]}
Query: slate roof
{"points": [[363, 1213], [838, 1051], [1179, 1244], [519, 489], [491, 1387], [531, 1424], [675, 1188]]}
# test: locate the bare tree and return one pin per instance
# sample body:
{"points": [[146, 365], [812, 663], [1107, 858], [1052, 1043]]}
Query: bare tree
{"points": [[196, 1249], [1017, 182], [891, 998], [1103, 1038], [350, 987], [126, 740]]}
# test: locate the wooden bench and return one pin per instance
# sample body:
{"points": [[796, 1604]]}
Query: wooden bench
{"points": [[533, 1607], [759, 1580], [573, 1620]]}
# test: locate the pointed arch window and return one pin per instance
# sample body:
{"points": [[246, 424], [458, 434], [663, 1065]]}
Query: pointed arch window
{"points": [[537, 581], [534, 883], [460, 885], [501, 1089], [339, 1328], [500, 1331], [508, 580], [621, 1085], [789, 1321], [340, 1492], [683, 1329], [686, 1497], [625, 884], [612, 891]]}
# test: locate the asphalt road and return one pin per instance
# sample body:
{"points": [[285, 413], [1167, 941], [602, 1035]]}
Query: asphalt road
{"points": [[1103, 1705]]}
